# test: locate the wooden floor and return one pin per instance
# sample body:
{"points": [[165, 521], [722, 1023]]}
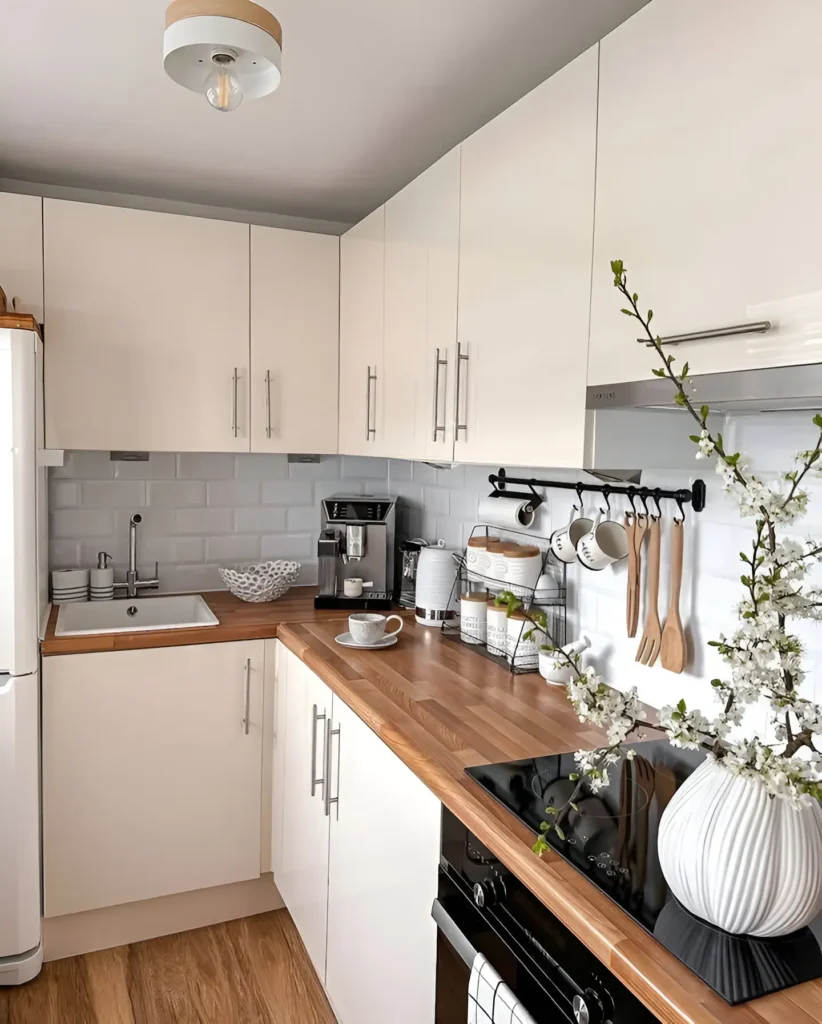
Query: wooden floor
{"points": [[253, 971]]}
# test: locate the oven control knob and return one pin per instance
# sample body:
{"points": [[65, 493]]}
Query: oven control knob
{"points": [[486, 894], [582, 1014]]}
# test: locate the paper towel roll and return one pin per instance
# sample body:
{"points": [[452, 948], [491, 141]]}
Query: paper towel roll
{"points": [[514, 513]]}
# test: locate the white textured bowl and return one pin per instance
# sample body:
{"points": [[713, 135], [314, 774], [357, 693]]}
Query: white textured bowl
{"points": [[261, 581]]}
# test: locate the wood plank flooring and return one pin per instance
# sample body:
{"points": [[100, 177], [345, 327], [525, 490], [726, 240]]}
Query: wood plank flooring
{"points": [[252, 971]]}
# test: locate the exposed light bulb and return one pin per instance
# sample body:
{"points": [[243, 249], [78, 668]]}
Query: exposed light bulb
{"points": [[223, 91]]}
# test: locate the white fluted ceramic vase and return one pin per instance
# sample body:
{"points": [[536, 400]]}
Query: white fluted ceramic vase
{"points": [[737, 858]]}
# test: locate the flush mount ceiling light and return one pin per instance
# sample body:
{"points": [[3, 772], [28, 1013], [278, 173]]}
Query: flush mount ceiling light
{"points": [[225, 49]]}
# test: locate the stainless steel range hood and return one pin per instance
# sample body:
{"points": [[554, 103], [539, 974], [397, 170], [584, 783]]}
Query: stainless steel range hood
{"points": [[778, 388]]}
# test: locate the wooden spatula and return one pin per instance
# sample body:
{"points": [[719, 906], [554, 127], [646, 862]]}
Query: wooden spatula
{"points": [[636, 535], [673, 636], [652, 636]]}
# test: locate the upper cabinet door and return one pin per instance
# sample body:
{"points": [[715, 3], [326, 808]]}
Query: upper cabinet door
{"points": [[21, 252], [708, 184], [526, 229], [422, 224], [148, 330], [295, 304], [362, 397]]}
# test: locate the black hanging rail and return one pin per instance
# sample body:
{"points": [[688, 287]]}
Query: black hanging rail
{"points": [[693, 495]]}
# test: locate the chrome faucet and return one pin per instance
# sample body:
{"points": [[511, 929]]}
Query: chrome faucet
{"points": [[132, 583]]}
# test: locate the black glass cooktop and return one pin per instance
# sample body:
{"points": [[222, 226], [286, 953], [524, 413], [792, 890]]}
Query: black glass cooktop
{"points": [[611, 838]]}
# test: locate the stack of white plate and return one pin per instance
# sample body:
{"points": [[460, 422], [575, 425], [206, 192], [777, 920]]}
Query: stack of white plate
{"points": [[69, 586]]}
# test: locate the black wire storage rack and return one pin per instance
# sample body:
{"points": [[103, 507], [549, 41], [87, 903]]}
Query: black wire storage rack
{"points": [[522, 656]]}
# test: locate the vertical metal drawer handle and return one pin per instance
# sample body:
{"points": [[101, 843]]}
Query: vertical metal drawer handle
{"points": [[247, 711], [329, 799], [369, 430], [315, 718], [437, 364], [268, 403], [461, 358], [234, 422], [759, 327]]}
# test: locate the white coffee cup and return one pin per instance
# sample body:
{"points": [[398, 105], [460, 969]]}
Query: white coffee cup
{"points": [[606, 543], [354, 586], [565, 540], [369, 627]]}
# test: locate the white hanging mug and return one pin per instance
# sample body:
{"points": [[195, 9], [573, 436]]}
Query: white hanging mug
{"points": [[606, 543], [564, 541]]}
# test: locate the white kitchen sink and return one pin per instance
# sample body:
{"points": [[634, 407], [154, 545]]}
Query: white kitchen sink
{"points": [[131, 615]]}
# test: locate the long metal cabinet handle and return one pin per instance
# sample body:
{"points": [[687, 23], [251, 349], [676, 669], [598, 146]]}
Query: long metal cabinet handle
{"points": [[315, 718], [247, 706], [330, 733], [268, 403], [450, 930], [461, 358], [437, 364], [759, 327], [234, 421], [369, 430]]}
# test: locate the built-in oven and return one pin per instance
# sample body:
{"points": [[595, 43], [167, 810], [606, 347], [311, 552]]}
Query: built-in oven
{"points": [[482, 908]]}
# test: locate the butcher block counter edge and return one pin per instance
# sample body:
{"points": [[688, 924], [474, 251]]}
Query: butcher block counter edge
{"points": [[669, 989]]}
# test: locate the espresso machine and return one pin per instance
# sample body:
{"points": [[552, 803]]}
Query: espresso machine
{"points": [[356, 543]]}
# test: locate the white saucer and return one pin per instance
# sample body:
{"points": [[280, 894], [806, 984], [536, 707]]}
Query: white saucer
{"points": [[346, 640]]}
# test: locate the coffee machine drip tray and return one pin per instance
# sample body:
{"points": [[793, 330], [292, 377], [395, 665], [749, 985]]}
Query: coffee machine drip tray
{"points": [[355, 553]]}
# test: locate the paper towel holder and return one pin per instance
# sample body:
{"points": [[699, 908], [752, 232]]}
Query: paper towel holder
{"points": [[499, 483]]}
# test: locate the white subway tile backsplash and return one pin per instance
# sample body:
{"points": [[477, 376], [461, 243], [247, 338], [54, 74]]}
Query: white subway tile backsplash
{"points": [[328, 468], [203, 521], [160, 466], [287, 492], [436, 501], [464, 505], [64, 554], [453, 477], [399, 471], [261, 467], [114, 493], [364, 468], [259, 519], [208, 466], [303, 519], [85, 466], [233, 492], [236, 548], [289, 545], [176, 493], [65, 494], [422, 473], [79, 523]]}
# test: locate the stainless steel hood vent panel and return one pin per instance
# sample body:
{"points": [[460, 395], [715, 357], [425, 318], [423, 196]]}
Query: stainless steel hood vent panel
{"points": [[743, 391]]}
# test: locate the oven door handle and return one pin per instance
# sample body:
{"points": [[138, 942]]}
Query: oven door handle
{"points": [[450, 930]]}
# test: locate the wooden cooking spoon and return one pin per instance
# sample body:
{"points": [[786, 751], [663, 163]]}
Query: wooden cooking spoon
{"points": [[673, 636], [650, 643], [636, 535]]}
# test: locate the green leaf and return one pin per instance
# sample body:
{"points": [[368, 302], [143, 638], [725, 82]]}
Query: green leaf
{"points": [[658, 373], [695, 438], [685, 370], [719, 443], [817, 420], [681, 706], [627, 312], [650, 315], [573, 806], [550, 810], [559, 832], [714, 643], [716, 682], [574, 776], [635, 297], [544, 826], [704, 412], [617, 266], [679, 398]]}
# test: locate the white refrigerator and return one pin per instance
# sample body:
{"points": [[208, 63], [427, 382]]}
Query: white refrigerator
{"points": [[23, 605]]}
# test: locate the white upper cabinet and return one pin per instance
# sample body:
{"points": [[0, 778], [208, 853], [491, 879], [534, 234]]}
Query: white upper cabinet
{"points": [[708, 177], [21, 252], [421, 270], [295, 279], [527, 206], [148, 330], [362, 398]]}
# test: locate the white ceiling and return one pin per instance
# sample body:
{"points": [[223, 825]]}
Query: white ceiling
{"points": [[373, 92]]}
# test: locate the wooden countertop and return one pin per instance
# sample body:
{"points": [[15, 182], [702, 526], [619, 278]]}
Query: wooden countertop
{"points": [[441, 707], [238, 621]]}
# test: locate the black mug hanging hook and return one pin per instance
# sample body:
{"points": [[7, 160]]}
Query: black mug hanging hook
{"points": [[631, 492], [579, 489], [656, 496], [681, 520], [643, 497], [606, 491]]}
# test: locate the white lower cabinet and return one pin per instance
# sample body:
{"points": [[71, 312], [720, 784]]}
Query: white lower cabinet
{"points": [[151, 772], [371, 862]]}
